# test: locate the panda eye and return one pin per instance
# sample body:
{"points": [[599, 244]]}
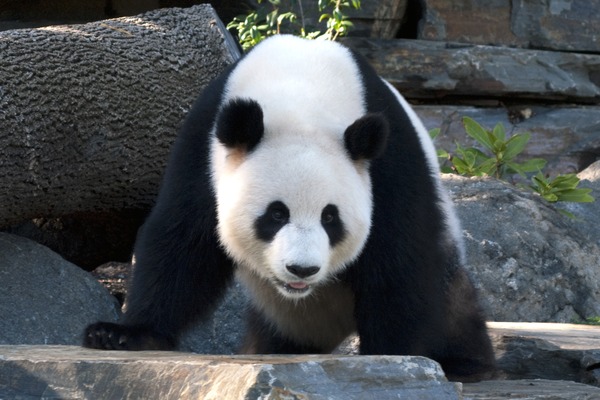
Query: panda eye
{"points": [[278, 216], [278, 212], [329, 214]]}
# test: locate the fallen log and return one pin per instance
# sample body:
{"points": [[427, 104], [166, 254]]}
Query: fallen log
{"points": [[88, 112]]}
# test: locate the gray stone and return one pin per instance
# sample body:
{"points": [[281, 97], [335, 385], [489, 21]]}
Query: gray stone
{"points": [[475, 21], [423, 69], [529, 262], [223, 332], [588, 214], [560, 25], [547, 351], [530, 389], [75, 373], [88, 112], [45, 299]]}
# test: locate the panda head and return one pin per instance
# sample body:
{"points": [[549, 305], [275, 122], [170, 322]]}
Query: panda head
{"points": [[293, 202]]}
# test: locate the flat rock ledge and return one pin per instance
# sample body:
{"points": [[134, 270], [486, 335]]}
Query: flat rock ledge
{"points": [[53, 372]]}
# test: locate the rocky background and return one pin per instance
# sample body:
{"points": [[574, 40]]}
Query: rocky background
{"points": [[88, 112]]}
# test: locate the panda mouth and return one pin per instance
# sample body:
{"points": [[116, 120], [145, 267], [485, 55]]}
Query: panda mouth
{"points": [[295, 287]]}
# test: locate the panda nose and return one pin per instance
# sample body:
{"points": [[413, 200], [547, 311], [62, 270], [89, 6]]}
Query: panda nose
{"points": [[302, 272]]}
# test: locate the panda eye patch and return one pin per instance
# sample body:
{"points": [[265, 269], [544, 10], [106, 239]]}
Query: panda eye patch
{"points": [[331, 222], [274, 218], [329, 214]]}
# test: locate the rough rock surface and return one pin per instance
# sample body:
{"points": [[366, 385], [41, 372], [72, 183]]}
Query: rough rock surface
{"points": [[588, 215], [529, 262], [88, 112], [223, 332], [527, 350], [561, 25], [422, 69], [530, 389], [45, 299], [69, 372]]}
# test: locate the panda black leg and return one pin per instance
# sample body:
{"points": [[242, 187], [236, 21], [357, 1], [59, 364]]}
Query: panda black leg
{"points": [[468, 354], [180, 271]]}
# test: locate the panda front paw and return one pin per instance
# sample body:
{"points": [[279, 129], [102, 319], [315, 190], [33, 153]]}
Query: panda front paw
{"points": [[110, 336]]}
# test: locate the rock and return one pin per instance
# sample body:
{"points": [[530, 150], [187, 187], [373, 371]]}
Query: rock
{"points": [[588, 214], [45, 299], [547, 351], [566, 136], [558, 25], [478, 21], [423, 69], [89, 112], [529, 262], [70, 372], [223, 332], [86, 239], [530, 389]]}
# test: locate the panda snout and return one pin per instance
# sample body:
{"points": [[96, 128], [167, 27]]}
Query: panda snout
{"points": [[301, 271]]}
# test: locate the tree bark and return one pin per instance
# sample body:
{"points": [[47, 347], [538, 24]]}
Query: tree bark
{"points": [[88, 112]]}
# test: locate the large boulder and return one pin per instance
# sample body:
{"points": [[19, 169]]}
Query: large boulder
{"points": [[588, 215], [529, 261], [45, 299]]}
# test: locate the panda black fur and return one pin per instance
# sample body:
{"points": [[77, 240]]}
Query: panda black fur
{"points": [[310, 178]]}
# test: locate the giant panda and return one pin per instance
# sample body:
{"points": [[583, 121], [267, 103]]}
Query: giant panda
{"points": [[309, 178]]}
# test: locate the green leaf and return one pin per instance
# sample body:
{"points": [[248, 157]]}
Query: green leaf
{"points": [[576, 196], [566, 181], [532, 165], [499, 132], [515, 145], [477, 132], [551, 197], [461, 167], [488, 167], [434, 133]]}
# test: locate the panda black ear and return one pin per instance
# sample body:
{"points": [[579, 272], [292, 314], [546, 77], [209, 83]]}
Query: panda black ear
{"points": [[240, 124], [366, 138]]}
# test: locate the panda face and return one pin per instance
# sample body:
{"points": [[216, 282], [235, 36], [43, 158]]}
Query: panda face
{"points": [[290, 158], [294, 213]]}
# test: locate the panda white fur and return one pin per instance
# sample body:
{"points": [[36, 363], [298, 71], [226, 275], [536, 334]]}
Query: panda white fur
{"points": [[310, 178]]}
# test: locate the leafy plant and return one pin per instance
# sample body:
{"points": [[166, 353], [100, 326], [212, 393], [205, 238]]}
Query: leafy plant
{"points": [[561, 188], [498, 159], [269, 19], [498, 155], [588, 321]]}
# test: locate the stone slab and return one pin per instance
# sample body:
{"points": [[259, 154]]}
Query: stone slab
{"points": [[77, 373], [565, 336], [427, 69], [530, 389]]}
